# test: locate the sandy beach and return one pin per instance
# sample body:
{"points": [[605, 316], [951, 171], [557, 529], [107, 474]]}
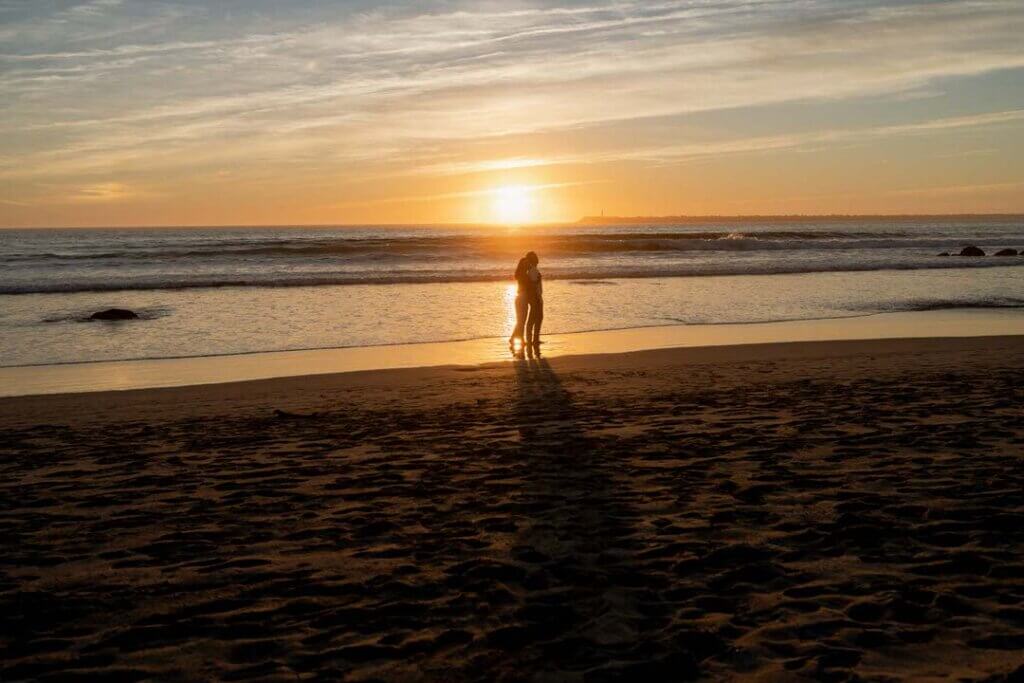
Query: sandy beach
{"points": [[820, 511]]}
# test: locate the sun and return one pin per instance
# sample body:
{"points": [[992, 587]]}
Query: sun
{"points": [[513, 204]]}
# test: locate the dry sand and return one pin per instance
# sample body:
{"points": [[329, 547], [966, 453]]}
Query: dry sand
{"points": [[825, 511]]}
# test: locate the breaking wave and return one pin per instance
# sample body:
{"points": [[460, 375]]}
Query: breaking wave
{"points": [[399, 247], [111, 260], [110, 283]]}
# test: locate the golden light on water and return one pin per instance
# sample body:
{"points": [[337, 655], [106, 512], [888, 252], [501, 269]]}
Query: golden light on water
{"points": [[513, 204], [510, 308]]}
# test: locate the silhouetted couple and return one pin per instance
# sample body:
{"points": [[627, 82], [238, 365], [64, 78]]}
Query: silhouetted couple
{"points": [[529, 303]]}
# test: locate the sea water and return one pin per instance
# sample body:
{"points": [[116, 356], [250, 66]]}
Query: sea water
{"points": [[205, 292]]}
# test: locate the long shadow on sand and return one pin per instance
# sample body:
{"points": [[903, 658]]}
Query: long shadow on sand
{"points": [[866, 528], [587, 603]]}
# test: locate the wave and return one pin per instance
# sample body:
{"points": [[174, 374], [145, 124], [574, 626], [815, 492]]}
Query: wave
{"points": [[320, 279], [914, 305], [505, 246]]}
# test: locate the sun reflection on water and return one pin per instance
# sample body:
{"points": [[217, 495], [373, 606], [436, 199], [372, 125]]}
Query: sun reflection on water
{"points": [[510, 308]]}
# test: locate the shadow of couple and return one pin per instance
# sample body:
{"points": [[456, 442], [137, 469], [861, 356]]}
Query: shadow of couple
{"points": [[588, 600]]}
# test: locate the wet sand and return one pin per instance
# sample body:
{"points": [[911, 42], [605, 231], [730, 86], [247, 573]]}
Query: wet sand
{"points": [[190, 371], [818, 511]]}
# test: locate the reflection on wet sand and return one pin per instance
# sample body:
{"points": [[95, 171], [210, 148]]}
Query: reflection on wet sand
{"points": [[19, 381]]}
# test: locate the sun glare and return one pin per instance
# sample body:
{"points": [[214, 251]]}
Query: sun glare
{"points": [[513, 204]]}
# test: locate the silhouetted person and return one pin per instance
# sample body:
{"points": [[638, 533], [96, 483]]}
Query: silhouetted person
{"points": [[522, 302], [536, 302], [529, 305]]}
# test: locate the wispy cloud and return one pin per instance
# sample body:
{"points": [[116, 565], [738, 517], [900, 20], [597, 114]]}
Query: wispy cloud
{"points": [[127, 87], [94, 20], [816, 138], [678, 153], [102, 192], [90, 9], [972, 189], [488, 192]]}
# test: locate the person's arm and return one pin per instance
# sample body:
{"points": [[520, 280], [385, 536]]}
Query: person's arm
{"points": [[535, 284]]}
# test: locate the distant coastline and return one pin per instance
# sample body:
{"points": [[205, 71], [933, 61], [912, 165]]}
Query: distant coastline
{"points": [[793, 218]]}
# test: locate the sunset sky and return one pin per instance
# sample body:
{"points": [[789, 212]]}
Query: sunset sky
{"points": [[147, 112]]}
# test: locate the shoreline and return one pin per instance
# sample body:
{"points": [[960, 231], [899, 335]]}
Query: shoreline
{"points": [[101, 376], [309, 394], [399, 345]]}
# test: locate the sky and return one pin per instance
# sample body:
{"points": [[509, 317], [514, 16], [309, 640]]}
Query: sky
{"points": [[241, 112]]}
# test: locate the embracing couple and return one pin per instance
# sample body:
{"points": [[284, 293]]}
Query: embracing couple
{"points": [[529, 303]]}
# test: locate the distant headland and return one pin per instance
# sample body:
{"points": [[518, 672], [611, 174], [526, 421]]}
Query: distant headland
{"points": [[793, 218]]}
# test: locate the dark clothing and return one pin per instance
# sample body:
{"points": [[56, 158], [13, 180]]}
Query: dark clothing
{"points": [[533, 320], [529, 305], [527, 288]]}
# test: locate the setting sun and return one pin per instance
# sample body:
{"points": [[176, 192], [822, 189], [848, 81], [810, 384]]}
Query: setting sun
{"points": [[513, 204]]}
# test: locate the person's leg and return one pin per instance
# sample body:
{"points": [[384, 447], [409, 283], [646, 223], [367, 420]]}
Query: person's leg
{"points": [[529, 323], [536, 318], [517, 331]]}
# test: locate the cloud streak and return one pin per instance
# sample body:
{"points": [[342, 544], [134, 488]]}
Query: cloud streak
{"points": [[489, 192], [123, 87]]}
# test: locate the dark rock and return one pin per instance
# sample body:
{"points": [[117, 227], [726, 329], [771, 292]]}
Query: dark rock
{"points": [[945, 253], [1006, 252], [971, 251], [114, 314]]}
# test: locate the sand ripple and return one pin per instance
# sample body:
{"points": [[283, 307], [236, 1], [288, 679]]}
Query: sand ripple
{"points": [[829, 520]]}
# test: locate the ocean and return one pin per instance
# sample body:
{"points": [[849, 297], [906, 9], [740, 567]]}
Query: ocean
{"points": [[203, 292]]}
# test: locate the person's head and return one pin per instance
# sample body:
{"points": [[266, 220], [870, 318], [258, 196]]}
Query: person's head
{"points": [[531, 258], [522, 267]]}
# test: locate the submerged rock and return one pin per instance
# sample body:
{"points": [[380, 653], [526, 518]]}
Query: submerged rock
{"points": [[972, 251], [1006, 252], [945, 253], [114, 314]]}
